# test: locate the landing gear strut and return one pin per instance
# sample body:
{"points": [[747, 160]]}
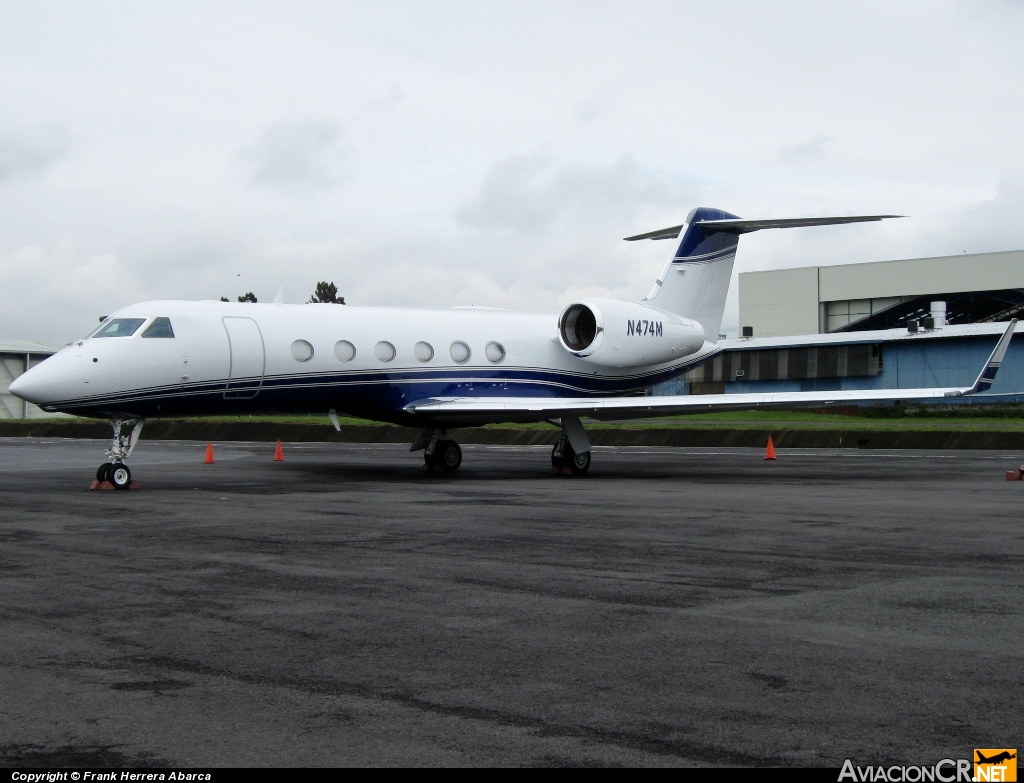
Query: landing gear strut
{"points": [[572, 449], [438, 451], [114, 470]]}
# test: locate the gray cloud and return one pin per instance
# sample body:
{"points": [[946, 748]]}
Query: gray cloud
{"points": [[298, 156], [996, 223], [30, 153], [555, 93], [806, 151], [531, 194], [386, 102]]}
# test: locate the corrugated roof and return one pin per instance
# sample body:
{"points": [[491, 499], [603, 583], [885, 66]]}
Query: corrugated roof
{"points": [[879, 336], [27, 346]]}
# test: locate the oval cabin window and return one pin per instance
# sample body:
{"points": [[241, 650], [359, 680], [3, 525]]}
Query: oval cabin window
{"points": [[302, 351], [460, 352], [344, 350], [423, 351], [385, 351], [495, 352]]}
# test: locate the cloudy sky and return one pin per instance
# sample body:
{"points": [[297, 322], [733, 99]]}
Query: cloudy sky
{"points": [[446, 153]]}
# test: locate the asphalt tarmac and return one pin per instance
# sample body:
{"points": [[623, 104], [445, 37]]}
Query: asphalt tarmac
{"points": [[674, 607]]}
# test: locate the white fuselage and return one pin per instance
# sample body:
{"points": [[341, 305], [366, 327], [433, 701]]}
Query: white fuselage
{"points": [[232, 357]]}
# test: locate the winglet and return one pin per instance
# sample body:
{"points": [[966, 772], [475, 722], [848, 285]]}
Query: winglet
{"points": [[988, 372]]}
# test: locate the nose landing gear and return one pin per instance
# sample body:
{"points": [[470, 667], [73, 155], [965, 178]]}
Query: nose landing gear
{"points": [[114, 472]]}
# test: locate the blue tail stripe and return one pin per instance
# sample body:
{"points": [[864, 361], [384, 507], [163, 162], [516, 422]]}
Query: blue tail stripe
{"points": [[697, 243]]}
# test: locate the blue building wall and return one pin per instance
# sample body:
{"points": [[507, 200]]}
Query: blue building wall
{"points": [[907, 365]]}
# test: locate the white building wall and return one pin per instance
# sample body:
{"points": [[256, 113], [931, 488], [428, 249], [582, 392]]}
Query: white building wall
{"points": [[917, 276], [780, 302]]}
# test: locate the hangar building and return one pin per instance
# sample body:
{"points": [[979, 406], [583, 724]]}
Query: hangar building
{"points": [[977, 288], [883, 325], [16, 357]]}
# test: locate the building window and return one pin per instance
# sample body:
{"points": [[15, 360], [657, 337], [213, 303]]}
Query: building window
{"points": [[825, 361], [842, 313]]}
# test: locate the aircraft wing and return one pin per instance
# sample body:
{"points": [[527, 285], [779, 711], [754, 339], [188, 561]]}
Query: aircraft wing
{"points": [[494, 409]]}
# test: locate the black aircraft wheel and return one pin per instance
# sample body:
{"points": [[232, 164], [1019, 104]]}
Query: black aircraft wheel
{"points": [[579, 464], [450, 455], [119, 476], [102, 471]]}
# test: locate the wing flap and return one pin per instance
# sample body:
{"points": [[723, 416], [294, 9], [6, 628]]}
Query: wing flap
{"points": [[538, 409]]}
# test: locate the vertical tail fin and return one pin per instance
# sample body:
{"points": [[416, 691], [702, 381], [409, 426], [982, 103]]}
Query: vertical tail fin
{"points": [[695, 280]]}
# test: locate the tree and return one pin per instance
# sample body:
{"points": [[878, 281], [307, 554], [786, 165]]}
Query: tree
{"points": [[224, 299], [326, 293], [248, 297]]}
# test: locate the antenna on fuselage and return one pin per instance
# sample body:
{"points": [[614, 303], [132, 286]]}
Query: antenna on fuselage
{"points": [[279, 299]]}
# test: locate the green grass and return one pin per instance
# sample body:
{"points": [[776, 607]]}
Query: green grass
{"points": [[1006, 418]]}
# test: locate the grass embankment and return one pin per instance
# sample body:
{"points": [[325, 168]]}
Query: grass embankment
{"points": [[967, 418], [977, 427]]}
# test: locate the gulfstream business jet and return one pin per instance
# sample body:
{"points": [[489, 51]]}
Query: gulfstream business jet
{"points": [[431, 369]]}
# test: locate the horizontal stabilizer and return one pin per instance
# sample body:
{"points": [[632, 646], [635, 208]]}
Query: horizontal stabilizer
{"points": [[740, 226], [662, 233]]}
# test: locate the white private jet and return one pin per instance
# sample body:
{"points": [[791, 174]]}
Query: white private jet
{"points": [[431, 369]]}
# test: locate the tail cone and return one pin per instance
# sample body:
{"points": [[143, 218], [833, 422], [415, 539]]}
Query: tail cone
{"points": [[770, 451], [278, 454], [209, 454]]}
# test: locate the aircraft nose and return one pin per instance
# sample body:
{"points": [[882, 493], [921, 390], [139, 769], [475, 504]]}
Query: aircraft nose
{"points": [[22, 387], [39, 385]]}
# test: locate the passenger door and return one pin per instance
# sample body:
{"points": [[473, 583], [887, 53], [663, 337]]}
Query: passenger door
{"points": [[248, 358]]}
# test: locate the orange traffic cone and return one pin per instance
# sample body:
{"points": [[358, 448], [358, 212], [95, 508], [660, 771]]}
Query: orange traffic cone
{"points": [[209, 454], [278, 454], [770, 451]]}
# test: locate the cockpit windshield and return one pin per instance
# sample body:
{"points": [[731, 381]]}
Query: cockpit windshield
{"points": [[161, 327], [119, 327]]}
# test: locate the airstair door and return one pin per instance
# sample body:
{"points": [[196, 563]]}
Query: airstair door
{"points": [[248, 358]]}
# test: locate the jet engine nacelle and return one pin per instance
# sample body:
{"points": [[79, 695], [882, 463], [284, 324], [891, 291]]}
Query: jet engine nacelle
{"points": [[613, 333]]}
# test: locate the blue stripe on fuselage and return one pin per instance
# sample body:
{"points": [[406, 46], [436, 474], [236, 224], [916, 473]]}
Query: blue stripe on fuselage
{"points": [[374, 393]]}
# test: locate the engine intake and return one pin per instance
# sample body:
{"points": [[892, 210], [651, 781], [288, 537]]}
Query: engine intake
{"points": [[578, 327]]}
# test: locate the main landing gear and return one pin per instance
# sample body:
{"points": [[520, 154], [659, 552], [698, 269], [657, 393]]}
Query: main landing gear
{"points": [[439, 453], [114, 470], [572, 451], [577, 463]]}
